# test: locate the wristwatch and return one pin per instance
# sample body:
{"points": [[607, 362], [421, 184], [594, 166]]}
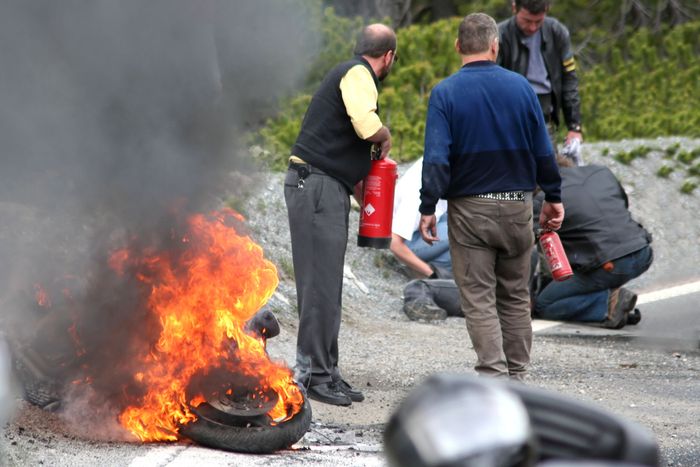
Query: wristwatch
{"points": [[575, 127]]}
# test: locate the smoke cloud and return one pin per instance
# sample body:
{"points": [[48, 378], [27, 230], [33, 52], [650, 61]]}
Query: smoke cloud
{"points": [[116, 117]]}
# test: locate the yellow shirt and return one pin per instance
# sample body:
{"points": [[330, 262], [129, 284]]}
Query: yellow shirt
{"points": [[360, 98]]}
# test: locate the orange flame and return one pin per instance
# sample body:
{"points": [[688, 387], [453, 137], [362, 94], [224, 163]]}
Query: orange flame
{"points": [[202, 301], [42, 298]]}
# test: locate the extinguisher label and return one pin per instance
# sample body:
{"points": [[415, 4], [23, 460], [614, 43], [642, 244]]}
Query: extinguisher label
{"points": [[373, 184], [548, 247], [369, 209]]}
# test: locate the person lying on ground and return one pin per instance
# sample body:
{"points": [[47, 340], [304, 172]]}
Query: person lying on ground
{"points": [[407, 245]]}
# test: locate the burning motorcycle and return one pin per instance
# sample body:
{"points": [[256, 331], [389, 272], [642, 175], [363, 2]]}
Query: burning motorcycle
{"points": [[235, 417], [172, 337], [232, 412]]}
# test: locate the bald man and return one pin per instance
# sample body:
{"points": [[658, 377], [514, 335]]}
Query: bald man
{"points": [[329, 160]]}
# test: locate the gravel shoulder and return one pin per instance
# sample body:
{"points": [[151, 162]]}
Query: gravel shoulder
{"points": [[386, 355]]}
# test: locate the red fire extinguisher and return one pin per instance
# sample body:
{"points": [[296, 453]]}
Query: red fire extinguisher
{"points": [[556, 256], [377, 204]]}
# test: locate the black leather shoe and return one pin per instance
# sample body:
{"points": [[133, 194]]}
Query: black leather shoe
{"points": [[328, 393], [354, 394]]}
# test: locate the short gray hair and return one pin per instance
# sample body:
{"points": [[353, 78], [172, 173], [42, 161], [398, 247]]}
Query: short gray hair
{"points": [[476, 33]]}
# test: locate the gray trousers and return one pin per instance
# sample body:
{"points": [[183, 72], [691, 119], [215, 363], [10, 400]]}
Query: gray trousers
{"points": [[318, 222], [490, 245]]}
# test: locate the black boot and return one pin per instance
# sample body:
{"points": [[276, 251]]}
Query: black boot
{"points": [[620, 304]]}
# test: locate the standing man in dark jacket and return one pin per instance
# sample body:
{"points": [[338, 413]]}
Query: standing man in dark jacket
{"points": [[605, 246], [330, 158], [539, 48], [486, 147]]}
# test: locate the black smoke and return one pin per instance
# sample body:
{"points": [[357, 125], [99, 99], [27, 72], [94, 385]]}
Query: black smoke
{"points": [[117, 119]]}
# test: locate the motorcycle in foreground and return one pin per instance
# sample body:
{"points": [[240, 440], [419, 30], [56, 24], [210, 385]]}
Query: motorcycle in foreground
{"points": [[465, 421]]}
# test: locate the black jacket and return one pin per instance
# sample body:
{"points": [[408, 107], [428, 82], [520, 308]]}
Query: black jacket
{"points": [[558, 58], [598, 226]]}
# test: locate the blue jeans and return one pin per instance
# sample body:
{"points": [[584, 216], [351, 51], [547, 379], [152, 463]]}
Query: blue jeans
{"points": [[439, 252], [585, 296]]}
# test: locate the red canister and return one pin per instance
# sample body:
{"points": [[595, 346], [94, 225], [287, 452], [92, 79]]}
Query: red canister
{"points": [[556, 256], [378, 205]]}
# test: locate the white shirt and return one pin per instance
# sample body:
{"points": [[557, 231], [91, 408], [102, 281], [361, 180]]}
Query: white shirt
{"points": [[407, 201]]}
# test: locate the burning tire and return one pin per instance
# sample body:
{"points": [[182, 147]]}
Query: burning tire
{"points": [[254, 434]]}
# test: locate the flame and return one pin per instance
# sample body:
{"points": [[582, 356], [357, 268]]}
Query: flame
{"points": [[202, 297], [42, 298]]}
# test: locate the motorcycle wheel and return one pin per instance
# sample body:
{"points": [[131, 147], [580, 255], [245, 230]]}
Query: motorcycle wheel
{"points": [[218, 430]]}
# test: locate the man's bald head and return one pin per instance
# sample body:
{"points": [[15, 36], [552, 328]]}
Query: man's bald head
{"points": [[375, 40]]}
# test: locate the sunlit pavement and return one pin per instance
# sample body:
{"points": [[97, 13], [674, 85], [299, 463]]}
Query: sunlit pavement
{"points": [[669, 318]]}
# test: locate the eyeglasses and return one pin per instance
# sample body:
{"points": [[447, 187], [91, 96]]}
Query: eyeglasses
{"points": [[396, 56]]}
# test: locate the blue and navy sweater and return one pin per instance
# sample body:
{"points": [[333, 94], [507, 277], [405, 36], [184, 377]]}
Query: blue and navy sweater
{"points": [[485, 133]]}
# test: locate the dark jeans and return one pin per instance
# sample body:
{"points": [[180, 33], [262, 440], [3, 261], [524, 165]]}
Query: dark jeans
{"points": [[585, 296], [318, 222]]}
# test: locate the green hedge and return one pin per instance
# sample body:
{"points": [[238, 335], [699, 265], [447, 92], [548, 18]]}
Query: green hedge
{"points": [[426, 56], [649, 85]]}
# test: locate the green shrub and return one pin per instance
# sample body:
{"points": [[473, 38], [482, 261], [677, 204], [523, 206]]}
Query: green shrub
{"points": [[674, 161], [694, 170], [664, 171], [672, 150], [647, 84], [624, 157], [688, 186]]}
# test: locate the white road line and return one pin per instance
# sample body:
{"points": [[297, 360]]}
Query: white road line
{"points": [[540, 324], [671, 292]]}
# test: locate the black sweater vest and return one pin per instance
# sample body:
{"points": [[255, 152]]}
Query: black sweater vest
{"points": [[327, 140]]}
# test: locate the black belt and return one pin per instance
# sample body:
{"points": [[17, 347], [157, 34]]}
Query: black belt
{"points": [[303, 171]]}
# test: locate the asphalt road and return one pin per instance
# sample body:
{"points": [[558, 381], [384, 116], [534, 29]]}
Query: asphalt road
{"points": [[670, 320], [647, 373]]}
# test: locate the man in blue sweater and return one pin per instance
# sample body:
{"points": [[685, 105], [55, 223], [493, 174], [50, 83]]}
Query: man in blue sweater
{"points": [[486, 148]]}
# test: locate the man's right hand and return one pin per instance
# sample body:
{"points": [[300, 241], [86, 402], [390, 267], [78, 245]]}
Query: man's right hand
{"points": [[428, 228], [385, 147], [551, 216], [382, 138]]}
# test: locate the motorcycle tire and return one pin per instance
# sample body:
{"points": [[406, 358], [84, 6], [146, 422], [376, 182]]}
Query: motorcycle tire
{"points": [[254, 439]]}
